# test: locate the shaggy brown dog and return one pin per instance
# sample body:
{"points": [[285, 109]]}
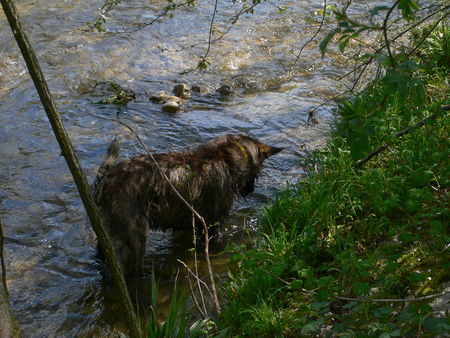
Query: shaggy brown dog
{"points": [[133, 195]]}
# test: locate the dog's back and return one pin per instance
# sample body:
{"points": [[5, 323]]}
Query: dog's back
{"points": [[133, 195]]}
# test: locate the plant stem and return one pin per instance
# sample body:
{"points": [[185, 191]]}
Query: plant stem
{"points": [[386, 38]]}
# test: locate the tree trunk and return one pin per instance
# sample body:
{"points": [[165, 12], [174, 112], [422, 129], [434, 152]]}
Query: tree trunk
{"points": [[8, 325]]}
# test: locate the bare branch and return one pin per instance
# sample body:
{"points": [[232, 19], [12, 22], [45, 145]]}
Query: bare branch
{"points": [[211, 26], [194, 298], [375, 300], [392, 300], [397, 135], [386, 39], [166, 10], [428, 34], [315, 34]]}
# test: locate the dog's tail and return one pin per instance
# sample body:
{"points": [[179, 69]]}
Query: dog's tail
{"points": [[111, 156]]}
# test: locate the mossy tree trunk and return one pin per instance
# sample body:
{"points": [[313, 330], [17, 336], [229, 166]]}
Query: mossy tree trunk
{"points": [[8, 325]]}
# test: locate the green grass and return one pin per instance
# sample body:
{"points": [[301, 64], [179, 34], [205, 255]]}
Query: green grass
{"points": [[178, 321], [379, 231]]}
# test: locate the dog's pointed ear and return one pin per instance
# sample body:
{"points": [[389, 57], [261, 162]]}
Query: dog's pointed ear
{"points": [[268, 151]]}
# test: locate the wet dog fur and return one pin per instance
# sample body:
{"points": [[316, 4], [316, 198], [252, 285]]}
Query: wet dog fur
{"points": [[133, 196]]}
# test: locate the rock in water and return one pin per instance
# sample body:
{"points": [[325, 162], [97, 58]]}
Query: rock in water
{"points": [[182, 90], [224, 90], [161, 96], [171, 107], [196, 88]]}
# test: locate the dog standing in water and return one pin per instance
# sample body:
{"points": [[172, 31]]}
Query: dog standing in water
{"points": [[133, 195]]}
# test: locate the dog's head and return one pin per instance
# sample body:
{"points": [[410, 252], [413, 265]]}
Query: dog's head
{"points": [[247, 156]]}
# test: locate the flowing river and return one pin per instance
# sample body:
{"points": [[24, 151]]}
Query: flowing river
{"points": [[56, 284]]}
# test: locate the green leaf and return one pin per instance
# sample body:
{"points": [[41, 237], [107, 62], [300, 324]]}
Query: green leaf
{"points": [[437, 227], [297, 284], [416, 277], [309, 328], [322, 295], [344, 43], [408, 7], [360, 289], [326, 41], [407, 237], [436, 325], [374, 11], [281, 9]]}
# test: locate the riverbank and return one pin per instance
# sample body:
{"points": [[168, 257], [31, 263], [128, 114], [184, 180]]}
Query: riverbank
{"points": [[360, 247]]}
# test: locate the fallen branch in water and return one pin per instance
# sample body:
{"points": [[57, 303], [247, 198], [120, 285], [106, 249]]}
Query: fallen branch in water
{"points": [[186, 203]]}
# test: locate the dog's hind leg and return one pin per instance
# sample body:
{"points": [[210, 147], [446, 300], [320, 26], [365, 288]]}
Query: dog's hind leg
{"points": [[129, 236]]}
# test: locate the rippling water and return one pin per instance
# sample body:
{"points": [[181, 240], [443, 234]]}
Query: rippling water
{"points": [[55, 282]]}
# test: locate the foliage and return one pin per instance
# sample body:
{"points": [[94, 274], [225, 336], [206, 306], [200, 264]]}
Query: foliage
{"points": [[120, 96], [177, 322], [100, 20], [347, 237]]}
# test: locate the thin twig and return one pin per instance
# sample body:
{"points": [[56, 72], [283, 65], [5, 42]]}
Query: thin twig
{"points": [[333, 98], [386, 38], [315, 34], [195, 276], [159, 16], [194, 237], [233, 21], [182, 199], [397, 135], [2, 258], [394, 39], [211, 27], [242, 11], [194, 298], [392, 300], [376, 300], [201, 63], [371, 59], [427, 35]]}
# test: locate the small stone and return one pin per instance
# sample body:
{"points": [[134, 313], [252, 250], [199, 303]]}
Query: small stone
{"points": [[196, 88], [171, 107], [224, 90], [182, 90], [160, 97]]}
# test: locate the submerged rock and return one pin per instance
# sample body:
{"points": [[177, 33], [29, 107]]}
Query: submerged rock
{"points": [[224, 90], [182, 90], [162, 97], [196, 88], [171, 107]]}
